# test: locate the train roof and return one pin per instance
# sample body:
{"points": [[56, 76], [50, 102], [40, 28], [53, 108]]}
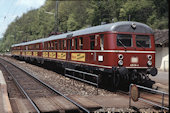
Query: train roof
{"points": [[123, 26]]}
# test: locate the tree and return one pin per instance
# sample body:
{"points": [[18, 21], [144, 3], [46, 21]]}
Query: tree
{"points": [[75, 15]]}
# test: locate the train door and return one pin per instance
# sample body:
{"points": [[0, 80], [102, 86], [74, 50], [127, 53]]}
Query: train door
{"points": [[69, 47], [94, 46]]}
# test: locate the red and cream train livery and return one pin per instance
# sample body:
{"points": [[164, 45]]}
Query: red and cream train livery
{"points": [[120, 52]]}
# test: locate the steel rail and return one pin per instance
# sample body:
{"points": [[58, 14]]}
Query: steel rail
{"points": [[75, 103], [20, 87]]}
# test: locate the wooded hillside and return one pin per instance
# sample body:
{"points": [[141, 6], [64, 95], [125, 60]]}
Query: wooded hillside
{"points": [[74, 15]]}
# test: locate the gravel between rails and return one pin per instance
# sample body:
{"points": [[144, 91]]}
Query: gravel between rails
{"points": [[71, 87], [64, 84]]}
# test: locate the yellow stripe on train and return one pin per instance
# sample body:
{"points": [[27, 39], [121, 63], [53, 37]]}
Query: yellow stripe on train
{"points": [[45, 54], [61, 55], [78, 57], [52, 54]]}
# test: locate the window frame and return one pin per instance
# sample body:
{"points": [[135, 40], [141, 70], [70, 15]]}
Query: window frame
{"points": [[81, 43], [140, 43], [101, 41], [92, 42], [131, 38], [76, 43]]}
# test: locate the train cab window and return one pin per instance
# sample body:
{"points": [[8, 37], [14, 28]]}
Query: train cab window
{"points": [[143, 41], [81, 42], [92, 42], [76, 43], [101, 42], [56, 46], [124, 40]]}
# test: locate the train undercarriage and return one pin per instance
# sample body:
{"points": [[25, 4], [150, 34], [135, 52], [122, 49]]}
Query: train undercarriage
{"points": [[111, 79]]}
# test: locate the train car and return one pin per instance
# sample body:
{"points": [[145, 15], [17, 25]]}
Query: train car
{"points": [[120, 52]]}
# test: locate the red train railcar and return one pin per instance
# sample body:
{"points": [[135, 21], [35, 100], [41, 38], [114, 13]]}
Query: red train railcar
{"points": [[121, 51]]}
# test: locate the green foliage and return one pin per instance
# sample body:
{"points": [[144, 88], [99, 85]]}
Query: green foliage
{"points": [[74, 15], [138, 10]]}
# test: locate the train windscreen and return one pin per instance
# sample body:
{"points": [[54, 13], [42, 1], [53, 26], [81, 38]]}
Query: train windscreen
{"points": [[124, 40], [143, 41]]}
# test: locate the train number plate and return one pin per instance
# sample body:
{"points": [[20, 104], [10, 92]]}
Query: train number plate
{"points": [[134, 59]]}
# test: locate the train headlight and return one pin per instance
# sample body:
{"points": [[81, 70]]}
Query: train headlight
{"points": [[120, 62], [149, 57], [120, 56], [149, 63], [133, 25]]}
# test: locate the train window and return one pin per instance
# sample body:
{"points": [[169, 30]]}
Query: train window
{"points": [[59, 44], [49, 45], [96, 37], [24, 47], [81, 42], [92, 42], [124, 40], [37, 46], [56, 46], [101, 42], [142, 41], [30, 47], [70, 43], [45, 45], [67, 44], [63, 44], [52, 45], [76, 43]]}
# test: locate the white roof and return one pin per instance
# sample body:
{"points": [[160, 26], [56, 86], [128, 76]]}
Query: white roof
{"points": [[124, 26]]}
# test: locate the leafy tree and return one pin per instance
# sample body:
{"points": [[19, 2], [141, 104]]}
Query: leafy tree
{"points": [[74, 15], [138, 10]]}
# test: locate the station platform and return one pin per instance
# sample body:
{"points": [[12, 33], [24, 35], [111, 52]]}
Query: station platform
{"points": [[5, 106]]}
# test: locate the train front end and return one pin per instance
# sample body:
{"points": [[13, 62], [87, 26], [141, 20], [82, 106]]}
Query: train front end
{"points": [[134, 53]]}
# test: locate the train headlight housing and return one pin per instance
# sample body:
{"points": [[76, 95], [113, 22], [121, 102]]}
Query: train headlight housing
{"points": [[149, 63], [120, 62], [120, 56], [133, 25], [149, 57]]}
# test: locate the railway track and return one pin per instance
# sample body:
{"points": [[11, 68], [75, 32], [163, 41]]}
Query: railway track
{"points": [[147, 95], [34, 89]]}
